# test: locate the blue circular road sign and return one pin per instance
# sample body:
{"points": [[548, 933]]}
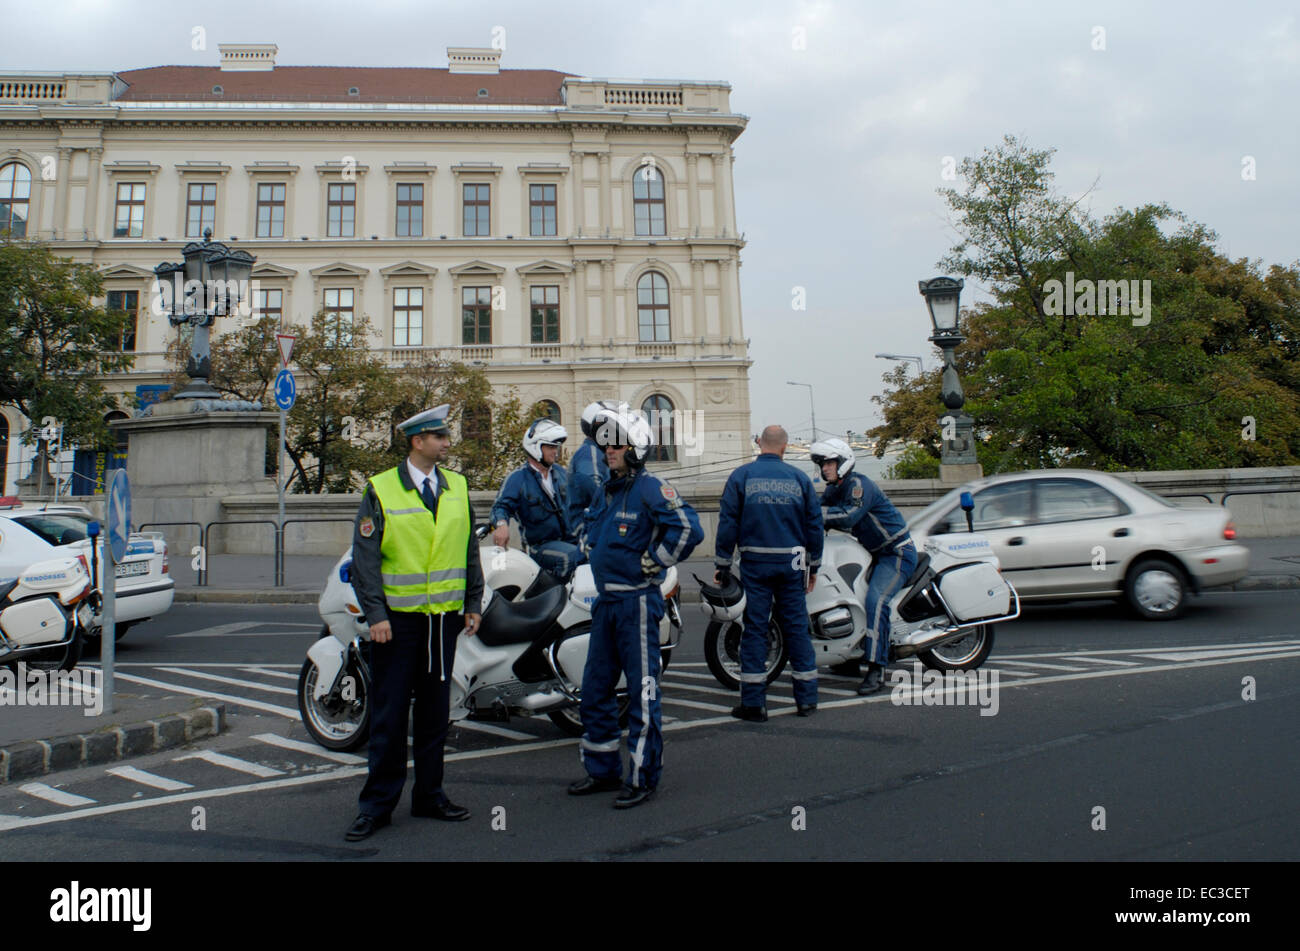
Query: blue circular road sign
{"points": [[286, 390]]}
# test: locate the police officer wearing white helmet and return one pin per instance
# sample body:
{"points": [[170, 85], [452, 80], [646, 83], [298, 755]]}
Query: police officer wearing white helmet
{"points": [[588, 471], [855, 504], [536, 495]]}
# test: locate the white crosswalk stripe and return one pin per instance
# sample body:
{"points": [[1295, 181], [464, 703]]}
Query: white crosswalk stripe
{"points": [[299, 746], [135, 775], [217, 678], [696, 704], [283, 675], [231, 762], [479, 727], [56, 796]]}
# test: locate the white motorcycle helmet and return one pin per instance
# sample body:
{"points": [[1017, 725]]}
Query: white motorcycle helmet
{"points": [[594, 409], [827, 449], [543, 432], [724, 602], [624, 427]]}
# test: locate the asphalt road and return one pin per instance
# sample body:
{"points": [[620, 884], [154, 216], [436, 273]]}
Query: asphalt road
{"points": [[1112, 739]]}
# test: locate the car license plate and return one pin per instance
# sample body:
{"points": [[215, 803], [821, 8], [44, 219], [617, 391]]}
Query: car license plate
{"points": [[135, 568]]}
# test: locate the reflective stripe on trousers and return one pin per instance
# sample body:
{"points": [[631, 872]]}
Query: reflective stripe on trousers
{"points": [[887, 578]]}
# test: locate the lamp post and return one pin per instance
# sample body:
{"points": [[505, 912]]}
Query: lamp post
{"points": [[214, 280], [958, 462], [811, 409]]}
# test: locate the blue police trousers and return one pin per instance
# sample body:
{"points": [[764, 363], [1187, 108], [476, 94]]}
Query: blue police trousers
{"points": [[557, 557], [624, 641], [887, 576], [786, 588]]}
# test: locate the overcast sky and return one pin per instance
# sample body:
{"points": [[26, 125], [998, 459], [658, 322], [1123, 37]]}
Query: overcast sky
{"points": [[836, 175]]}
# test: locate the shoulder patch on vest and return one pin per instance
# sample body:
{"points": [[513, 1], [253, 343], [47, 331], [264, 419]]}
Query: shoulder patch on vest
{"points": [[857, 490], [367, 527]]}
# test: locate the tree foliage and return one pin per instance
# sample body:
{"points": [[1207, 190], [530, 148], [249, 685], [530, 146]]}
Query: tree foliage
{"points": [[57, 343], [1049, 388]]}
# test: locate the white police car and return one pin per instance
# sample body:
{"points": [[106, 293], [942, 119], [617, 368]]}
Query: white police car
{"points": [[35, 533]]}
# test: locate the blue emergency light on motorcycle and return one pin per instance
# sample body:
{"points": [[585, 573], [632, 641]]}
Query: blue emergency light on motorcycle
{"points": [[967, 506], [92, 529]]}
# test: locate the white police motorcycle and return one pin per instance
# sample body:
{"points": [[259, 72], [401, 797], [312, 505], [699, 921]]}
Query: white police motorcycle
{"points": [[45, 613], [526, 658], [943, 614]]}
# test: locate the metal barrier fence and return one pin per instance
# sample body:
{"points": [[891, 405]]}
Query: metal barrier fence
{"points": [[205, 533]]}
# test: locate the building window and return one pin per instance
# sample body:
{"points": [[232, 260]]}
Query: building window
{"points": [[269, 303], [408, 317], [128, 302], [476, 315], [659, 410], [15, 201], [200, 210], [652, 307], [338, 316], [270, 211], [478, 210], [128, 220], [342, 221], [541, 210], [410, 211], [546, 314], [551, 411], [648, 201]]}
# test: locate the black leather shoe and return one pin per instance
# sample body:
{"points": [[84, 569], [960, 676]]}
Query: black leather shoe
{"points": [[630, 797], [590, 784], [440, 807], [753, 714], [874, 680], [807, 709], [364, 826]]}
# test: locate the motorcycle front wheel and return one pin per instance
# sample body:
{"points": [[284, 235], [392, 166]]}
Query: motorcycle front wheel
{"points": [[56, 658], [966, 653], [722, 652], [339, 724]]}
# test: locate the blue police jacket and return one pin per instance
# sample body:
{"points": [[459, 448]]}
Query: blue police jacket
{"points": [[638, 513], [540, 518], [588, 474], [771, 509], [856, 505]]}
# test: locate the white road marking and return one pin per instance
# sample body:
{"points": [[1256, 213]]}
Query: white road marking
{"points": [[718, 691], [834, 691], [492, 728], [218, 630], [1028, 663], [312, 749], [148, 779], [1013, 673], [1206, 655], [232, 762], [673, 672], [1068, 655], [695, 704], [357, 771], [56, 796], [269, 673], [241, 634], [1106, 660], [241, 701], [217, 678], [203, 664]]}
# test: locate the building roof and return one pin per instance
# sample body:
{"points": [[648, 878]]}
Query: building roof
{"points": [[331, 84]]}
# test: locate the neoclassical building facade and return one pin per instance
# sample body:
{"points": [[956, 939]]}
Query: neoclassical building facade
{"points": [[575, 237]]}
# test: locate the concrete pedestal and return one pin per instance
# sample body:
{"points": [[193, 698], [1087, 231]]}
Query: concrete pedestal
{"points": [[184, 460]]}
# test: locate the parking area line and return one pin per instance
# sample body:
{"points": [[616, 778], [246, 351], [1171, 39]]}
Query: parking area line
{"points": [[232, 762], [291, 714], [148, 779], [696, 704], [310, 748], [262, 671], [56, 796], [1037, 664], [234, 682], [492, 728]]}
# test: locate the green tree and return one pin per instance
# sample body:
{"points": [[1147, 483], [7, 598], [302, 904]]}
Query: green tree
{"points": [[1170, 389], [57, 344]]}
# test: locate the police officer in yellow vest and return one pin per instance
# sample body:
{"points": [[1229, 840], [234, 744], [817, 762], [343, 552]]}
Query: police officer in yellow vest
{"points": [[416, 571]]}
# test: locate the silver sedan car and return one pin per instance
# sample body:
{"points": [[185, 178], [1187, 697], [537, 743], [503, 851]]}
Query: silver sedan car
{"points": [[1064, 534]]}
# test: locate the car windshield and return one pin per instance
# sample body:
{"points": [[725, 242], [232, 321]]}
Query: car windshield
{"points": [[54, 529]]}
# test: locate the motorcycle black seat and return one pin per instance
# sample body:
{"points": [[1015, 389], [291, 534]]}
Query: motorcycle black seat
{"points": [[517, 622], [922, 564]]}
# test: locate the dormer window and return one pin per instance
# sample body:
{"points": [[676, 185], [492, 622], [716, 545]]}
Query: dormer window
{"points": [[353, 91], [482, 93], [218, 91]]}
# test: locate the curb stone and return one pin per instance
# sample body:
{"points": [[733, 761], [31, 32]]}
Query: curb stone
{"points": [[34, 758]]}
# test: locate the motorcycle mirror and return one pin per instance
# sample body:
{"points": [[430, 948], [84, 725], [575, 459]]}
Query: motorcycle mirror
{"points": [[482, 529], [93, 529]]}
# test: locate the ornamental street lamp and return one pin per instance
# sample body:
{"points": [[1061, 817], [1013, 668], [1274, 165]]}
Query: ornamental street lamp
{"points": [[215, 279], [942, 296]]}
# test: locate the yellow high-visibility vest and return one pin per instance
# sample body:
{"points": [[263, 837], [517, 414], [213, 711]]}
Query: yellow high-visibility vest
{"points": [[423, 560]]}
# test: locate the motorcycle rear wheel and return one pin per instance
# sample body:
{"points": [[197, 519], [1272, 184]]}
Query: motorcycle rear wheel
{"points": [[967, 653], [341, 725], [569, 719], [55, 658], [722, 652]]}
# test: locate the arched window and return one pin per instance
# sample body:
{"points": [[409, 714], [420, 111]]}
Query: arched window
{"points": [[15, 199], [659, 409], [652, 307], [551, 410], [648, 201]]}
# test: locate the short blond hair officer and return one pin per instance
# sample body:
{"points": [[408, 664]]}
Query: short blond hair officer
{"points": [[416, 571]]}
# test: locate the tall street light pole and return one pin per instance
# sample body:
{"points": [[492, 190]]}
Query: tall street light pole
{"points": [[920, 365], [958, 462], [811, 409]]}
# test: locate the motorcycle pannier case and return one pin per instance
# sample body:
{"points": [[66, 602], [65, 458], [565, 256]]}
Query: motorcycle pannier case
{"points": [[34, 621], [974, 591]]}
